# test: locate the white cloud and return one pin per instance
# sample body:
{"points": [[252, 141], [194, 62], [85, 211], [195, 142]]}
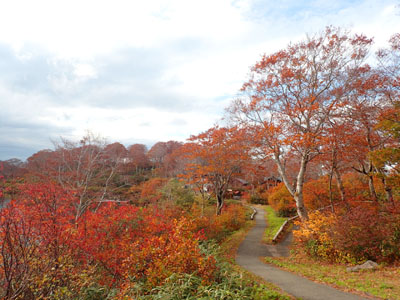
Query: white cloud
{"points": [[148, 70], [84, 71], [129, 124], [87, 28]]}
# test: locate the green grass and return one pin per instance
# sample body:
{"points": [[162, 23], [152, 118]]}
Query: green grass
{"points": [[273, 224], [383, 283]]}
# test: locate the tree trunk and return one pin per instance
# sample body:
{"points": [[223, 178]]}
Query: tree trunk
{"points": [[301, 209], [330, 190], [297, 190], [371, 186], [388, 190], [202, 205], [340, 186], [220, 203], [298, 196]]}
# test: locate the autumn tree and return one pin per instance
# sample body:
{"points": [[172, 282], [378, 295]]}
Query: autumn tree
{"points": [[255, 172], [40, 162], [162, 157], [291, 94], [192, 174], [157, 153], [215, 157], [334, 158], [388, 157], [12, 168], [350, 134], [2, 200], [137, 154], [115, 151], [364, 115], [85, 168]]}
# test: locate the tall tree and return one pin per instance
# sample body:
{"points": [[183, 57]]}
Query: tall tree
{"points": [[215, 157], [162, 156], [292, 93], [84, 168], [388, 157], [138, 156], [334, 158]]}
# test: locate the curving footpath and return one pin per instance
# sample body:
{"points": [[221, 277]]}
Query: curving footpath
{"points": [[248, 257]]}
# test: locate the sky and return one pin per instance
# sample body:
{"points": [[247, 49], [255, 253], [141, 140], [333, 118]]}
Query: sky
{"points": [[147, 71]]}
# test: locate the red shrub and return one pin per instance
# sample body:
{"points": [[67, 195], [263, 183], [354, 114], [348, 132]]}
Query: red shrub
{"points": [[364, 232]]}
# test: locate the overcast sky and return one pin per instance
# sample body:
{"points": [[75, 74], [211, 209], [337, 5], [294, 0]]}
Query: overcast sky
{"points": [[146, 71]]}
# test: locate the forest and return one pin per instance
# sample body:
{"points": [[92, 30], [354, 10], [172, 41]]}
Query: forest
{"points": [[314, 132]]}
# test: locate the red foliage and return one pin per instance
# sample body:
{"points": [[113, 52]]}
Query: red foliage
{"points": [[34, 230], [162, 156], [1, 178], [316, 193], [366, 233], [137, 155], [363, 232], [46, 251]]}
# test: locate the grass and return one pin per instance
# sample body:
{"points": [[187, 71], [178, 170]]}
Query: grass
{"points": [[274, 223], [383, 282]]}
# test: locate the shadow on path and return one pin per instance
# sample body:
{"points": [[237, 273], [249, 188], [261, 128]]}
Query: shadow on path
{"points": [[252, 249]]}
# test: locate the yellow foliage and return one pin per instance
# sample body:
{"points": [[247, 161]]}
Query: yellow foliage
{"points": [[281, 200], [315, 235]]}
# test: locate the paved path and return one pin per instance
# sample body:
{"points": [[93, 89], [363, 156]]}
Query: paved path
{"points": [[248, 256]]}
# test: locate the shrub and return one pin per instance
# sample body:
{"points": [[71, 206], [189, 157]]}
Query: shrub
{"points": [[47, 253], [315, 235], [150, 192], [232, 218], [227, 284], [282, 201], [362, 233], [257, 198]]}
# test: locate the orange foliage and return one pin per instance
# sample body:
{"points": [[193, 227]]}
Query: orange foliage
{"points": [[281, 200], [316, 193], [214, 158], [175, 251], [291, 96], [356, 186], [315, 235], [151, 189], [217, 227]]}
